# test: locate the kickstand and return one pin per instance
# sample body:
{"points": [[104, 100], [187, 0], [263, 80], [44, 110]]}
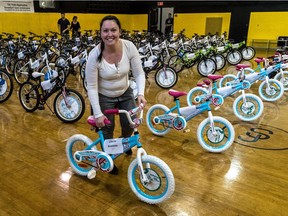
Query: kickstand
{"points": [[50, 109]]}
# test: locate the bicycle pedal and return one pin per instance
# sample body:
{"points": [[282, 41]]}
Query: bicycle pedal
{"points": [[186, 131]]}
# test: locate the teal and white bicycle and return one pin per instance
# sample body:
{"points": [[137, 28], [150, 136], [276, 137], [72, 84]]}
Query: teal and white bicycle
{"points": [[149, 177], [214, 134]]}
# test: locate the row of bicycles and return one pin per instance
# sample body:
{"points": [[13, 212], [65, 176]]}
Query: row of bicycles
{"points": [[149, 177], [37, 88], [169, 57]]}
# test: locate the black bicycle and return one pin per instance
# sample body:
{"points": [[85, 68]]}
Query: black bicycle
{"points": [[69, 105]]}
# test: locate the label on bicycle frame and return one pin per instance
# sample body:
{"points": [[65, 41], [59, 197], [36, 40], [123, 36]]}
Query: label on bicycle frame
{"points": [[113, 146]]}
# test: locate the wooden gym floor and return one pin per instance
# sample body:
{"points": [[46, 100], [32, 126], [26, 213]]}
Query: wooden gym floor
{"points": [[250, 178]]}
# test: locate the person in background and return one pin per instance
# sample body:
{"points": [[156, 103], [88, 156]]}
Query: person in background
{"points": [[75, 27], [169, 25], [63, 26], [107, 74]]}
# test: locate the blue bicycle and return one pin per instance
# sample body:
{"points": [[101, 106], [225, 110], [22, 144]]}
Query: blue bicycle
{"points": [[214, 134], [149, 177], [247, 107], [270, 89]]}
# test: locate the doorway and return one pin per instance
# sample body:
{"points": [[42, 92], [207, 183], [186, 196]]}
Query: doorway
{"points": [[213, 26], [157, 18]]}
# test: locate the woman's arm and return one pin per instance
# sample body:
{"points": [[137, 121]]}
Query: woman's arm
{"points": [[92, 81]]}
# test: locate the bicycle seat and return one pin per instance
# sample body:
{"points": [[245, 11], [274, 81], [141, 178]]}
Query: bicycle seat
{"points": [[175, 93], [259, 60], [214, 77], [37, 74], [241, 66]]}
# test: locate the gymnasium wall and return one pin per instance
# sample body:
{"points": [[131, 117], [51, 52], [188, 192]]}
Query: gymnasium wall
{"points": [[195, 22], [41, 23], [267, 25]]}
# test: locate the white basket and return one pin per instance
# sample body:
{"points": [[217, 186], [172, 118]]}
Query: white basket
{"points": [[46, 84], [75, 48], [75, 60], [235, 46], [20, 55], [34, 64], [220, 49]]}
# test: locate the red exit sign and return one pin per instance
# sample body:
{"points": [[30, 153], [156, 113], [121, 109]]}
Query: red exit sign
{"points": [[160, 3]]}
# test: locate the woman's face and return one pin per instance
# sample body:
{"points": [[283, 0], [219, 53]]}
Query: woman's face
{"points": [[110, 32]]}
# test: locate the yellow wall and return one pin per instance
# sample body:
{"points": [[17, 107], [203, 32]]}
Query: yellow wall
{"points": [[196, 22], [267, 25], [41, 23]]}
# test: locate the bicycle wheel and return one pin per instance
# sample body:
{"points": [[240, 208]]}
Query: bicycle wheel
{"points": [[234, 57], [249, 111], [219, 60], [6, 86], [29, 96], [21, 72], [226, 80], [166, 77], [3, 56], [206, 66], [219, 141], [171, 52], [273, 93], [82, 70], [248, 53], [283, 79], [9, 65], [154, 112], [78, 142], [176, 63], [70, 107], [195, 92], [161, 182]]}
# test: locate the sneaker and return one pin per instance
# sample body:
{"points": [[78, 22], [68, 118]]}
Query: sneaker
{"points": [[114, 171], [129, 152]]}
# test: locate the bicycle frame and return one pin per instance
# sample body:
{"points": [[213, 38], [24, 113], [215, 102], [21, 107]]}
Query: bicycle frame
{"points": [[127, 143]]}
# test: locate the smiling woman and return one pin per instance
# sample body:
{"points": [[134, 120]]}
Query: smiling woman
{"points": [[107, 70]]}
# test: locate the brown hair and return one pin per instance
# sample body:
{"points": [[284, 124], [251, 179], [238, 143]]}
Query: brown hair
{"points": [[109, 17]]}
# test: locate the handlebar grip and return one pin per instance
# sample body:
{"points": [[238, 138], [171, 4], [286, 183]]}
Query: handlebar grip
{"points": [[112, 111], [107, 121]]}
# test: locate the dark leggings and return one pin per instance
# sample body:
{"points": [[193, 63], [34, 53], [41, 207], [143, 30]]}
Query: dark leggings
{"points": [[126, 102]]}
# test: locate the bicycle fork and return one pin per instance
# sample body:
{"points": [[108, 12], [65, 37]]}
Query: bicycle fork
{"points": [[143, 176], [65, 97]]}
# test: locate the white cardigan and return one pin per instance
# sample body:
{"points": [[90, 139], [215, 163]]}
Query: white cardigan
{"points": [[112, 80]]}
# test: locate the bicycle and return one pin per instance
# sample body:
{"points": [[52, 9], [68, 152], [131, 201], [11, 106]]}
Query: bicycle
{"points": [[270, 89], [247, 107], [205, 65], [165, 76], [69, 105], [150, 178], [214, 134], [6, 86]]}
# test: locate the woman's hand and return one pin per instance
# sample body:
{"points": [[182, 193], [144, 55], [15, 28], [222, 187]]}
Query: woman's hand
{"points": [[142, 100], [100, 121]]}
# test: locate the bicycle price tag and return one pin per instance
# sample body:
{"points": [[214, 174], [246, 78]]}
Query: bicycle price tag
{"points": [[113, 146]]}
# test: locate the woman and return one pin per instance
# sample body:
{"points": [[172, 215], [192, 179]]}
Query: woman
{"points": [[75, 27], [107, 69]]}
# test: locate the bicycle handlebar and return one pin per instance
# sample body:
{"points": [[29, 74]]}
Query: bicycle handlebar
{"points": [[112, 111], [129, 113]]}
